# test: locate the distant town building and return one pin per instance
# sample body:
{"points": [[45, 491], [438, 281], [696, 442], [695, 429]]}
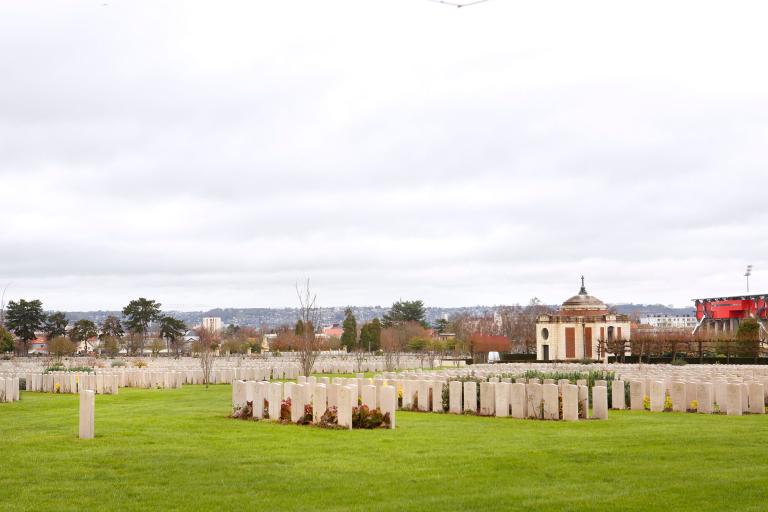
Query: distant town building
{"points": [[333, 331], [212, 323], [724, 314], [579, 330], [670, 321]]}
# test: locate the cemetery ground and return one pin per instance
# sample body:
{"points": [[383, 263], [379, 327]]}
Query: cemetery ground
{"points": [[178, 450]]}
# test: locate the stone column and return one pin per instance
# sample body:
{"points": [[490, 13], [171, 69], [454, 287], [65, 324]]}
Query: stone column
{"points": [[260, 393], [600, 402], [408, 393], [238, 395], [487, 398], [275, 399], [250, 390], [534, 399], [518, 400], [636, 395], [690, 393], [756, 398], [87, 414], [744, 397], [721, 394], [369, 396], [319, 402], [551, 400], [437, 395], [733, 401], [388, 400], [570, 402], [583, 402], [618, 398], [704, 396], [677, 394], [470, 396], [423, 394], [454, 397], [344, 412], [332, 395], [501, 395], [657, 396]]}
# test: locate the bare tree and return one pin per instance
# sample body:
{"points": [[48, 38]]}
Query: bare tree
{"points": [[207, 346], [309, 316]]}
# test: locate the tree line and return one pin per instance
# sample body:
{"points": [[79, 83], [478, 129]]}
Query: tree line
{"points": [[26, 318]]}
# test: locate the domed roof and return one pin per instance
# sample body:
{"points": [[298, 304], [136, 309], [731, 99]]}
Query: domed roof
{"points": [[583, 301]]}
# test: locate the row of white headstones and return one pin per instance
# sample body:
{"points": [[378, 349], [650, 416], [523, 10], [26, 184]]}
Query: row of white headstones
{"points": [[9, 389], [702, 396], [322, 396]]}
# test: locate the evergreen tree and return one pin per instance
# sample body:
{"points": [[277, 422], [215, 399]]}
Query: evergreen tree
{"points": [[370, 335], [82, 331], [172, 330], [111, 328], [6, 341], [404, 311], [23, 318], [139, 314], [349, 336], [55, 325]]}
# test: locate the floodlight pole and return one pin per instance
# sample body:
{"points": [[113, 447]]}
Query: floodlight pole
{"points": [[747, 274]]}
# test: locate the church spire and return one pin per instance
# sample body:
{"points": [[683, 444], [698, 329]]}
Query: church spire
{"points": [[583, 290]]}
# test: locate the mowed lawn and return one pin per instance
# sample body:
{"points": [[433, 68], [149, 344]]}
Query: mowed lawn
{"points": [[177, 450]]}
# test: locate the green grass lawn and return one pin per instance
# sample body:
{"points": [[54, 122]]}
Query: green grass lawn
{"points": [[177, 450]]}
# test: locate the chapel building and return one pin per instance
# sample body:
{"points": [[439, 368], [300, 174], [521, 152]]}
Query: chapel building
{"points": [[584, 328]]}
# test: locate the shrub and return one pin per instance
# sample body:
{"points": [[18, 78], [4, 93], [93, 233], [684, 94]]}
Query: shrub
{"points": [[667, 404], [678, 362], [245, 412], [307, 418], [285, 410], [694, 406], [363, 417], [647, 403], [139, 363], [330, 418], [118, 364]]}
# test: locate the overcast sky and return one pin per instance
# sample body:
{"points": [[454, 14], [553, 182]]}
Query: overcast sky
{"points": [[213, 153]]}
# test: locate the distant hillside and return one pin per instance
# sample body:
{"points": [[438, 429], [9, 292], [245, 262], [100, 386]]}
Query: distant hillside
{"points": [[274, 317], [652, 309]]}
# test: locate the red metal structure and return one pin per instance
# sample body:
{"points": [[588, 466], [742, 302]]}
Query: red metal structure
{"points": [[724, 313]]}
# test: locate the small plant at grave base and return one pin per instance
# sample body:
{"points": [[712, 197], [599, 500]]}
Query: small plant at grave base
{"points": [[266, 409], [307, 418], [445, 401], [582, 412], [693, 406], [646, 402], [118, 364], [399, 398], [57, 388], [330, 418], [469, 412], [363, 417], [415, 404], [285, 410], [667, 404], [245, 412], [139, 364], [716, 409]]}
